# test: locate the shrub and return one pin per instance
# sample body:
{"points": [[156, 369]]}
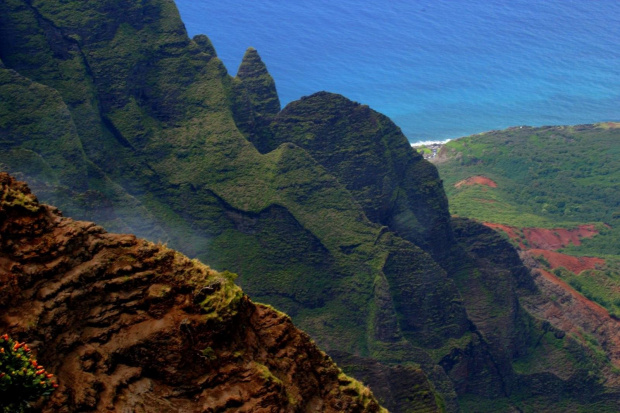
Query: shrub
{"points": [[576, 284], [541, 259], [22, 379]]}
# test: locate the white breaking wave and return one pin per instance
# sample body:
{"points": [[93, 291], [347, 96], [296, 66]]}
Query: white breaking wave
{"points": [[425, 143]]}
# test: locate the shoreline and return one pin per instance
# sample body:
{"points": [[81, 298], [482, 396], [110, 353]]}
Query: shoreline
{"points": [[429, 149]]}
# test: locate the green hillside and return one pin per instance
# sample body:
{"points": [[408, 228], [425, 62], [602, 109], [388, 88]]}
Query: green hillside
{"points": [[546, 177], [110, 111]]}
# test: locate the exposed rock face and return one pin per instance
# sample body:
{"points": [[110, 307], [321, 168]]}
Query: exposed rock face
{"points": [[128, 325]]}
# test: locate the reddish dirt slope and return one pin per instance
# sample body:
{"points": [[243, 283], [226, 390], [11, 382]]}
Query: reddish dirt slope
{"points": [[545, 238], [568, 311], [512, 232], [573, 264], [476, 180], [573, 313], [543, 241], [130, 326], [553, 239]]}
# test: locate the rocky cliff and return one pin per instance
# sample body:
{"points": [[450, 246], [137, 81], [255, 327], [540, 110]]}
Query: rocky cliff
{"points": [[128, 325]]}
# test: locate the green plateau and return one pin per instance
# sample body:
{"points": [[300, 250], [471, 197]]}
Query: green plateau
{"points": [[112, 113]]}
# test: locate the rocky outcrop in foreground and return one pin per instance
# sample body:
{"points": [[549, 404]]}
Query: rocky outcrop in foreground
{"points": [[128, 325]]}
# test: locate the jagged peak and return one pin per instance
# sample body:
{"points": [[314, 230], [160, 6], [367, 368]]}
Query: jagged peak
{"points": [[205, 44], [250, 63], [259, 84]]}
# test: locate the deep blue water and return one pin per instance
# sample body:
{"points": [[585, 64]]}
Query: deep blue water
{"points": [[440, 69]]}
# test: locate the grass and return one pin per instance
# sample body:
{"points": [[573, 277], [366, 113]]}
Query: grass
{"points": [[600, 285], [549, 176]]}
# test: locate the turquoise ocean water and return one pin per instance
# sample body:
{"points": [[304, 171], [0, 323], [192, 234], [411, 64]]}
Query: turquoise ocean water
{"points": [[440, 69]]}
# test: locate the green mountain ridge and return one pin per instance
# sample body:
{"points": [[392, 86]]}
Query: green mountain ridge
{"points": [[112, 113]]}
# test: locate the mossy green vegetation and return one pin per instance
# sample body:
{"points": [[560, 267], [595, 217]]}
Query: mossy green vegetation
{"points": [[547, 177], [323, 209], [154, 122]]}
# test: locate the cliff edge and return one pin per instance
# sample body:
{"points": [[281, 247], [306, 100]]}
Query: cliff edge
{"points": [[128, 325]]}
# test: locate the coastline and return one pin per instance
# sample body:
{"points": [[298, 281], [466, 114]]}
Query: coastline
{"points": [[429, 149]]}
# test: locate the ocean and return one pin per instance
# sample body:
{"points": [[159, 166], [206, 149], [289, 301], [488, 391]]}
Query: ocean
{"points": [[439, 69]]}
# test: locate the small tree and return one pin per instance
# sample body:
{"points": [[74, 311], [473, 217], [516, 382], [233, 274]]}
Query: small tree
{"points": [[22, 379]]}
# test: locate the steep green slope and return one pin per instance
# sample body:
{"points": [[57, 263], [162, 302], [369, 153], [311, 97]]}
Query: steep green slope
{"points": [[155, 112], [398, 189], [40, 140], [369, 155], [322, 208]]}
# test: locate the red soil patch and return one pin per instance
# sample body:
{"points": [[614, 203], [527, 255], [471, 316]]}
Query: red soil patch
{"points": [[547, 239], [510, 231], [553, 239], [573, 264], [610, 125], [476, 180]]}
